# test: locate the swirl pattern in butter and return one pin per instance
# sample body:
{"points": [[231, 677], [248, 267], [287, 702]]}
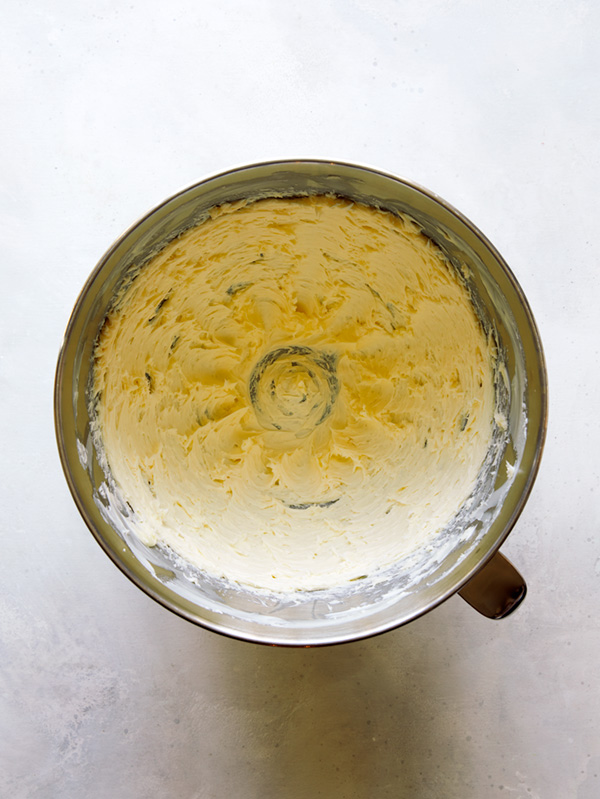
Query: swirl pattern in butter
{"points": [[295, 393]]}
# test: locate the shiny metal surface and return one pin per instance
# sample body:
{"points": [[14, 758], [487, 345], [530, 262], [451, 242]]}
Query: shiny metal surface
{"points": [[496, 590], [314, 618]]}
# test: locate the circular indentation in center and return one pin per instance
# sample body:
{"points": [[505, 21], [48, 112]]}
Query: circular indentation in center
{"points": [[293, 389]]}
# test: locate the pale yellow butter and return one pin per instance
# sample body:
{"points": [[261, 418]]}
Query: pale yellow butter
{"points": [[295, 393]]}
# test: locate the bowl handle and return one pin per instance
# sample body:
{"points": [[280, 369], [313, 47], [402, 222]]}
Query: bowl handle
{"points": [[496, 589]]}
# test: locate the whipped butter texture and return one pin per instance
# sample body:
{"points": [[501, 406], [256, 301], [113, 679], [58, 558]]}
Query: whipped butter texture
{"points": [[295, 393]]}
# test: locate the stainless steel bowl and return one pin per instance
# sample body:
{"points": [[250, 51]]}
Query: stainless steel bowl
{"points": [[466, 561]]}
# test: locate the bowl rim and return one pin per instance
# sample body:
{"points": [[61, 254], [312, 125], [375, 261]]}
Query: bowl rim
{"points": [[273, 639]]}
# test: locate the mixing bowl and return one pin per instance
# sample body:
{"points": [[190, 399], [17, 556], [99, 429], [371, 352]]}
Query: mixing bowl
{"points": [[463, 558]]}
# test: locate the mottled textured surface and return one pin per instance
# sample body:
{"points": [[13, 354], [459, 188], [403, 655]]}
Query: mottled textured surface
{"points": [[295, 467], [107, 109]]}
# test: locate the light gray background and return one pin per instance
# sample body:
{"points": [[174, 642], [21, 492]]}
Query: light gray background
{"points": [[106, 108]]}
